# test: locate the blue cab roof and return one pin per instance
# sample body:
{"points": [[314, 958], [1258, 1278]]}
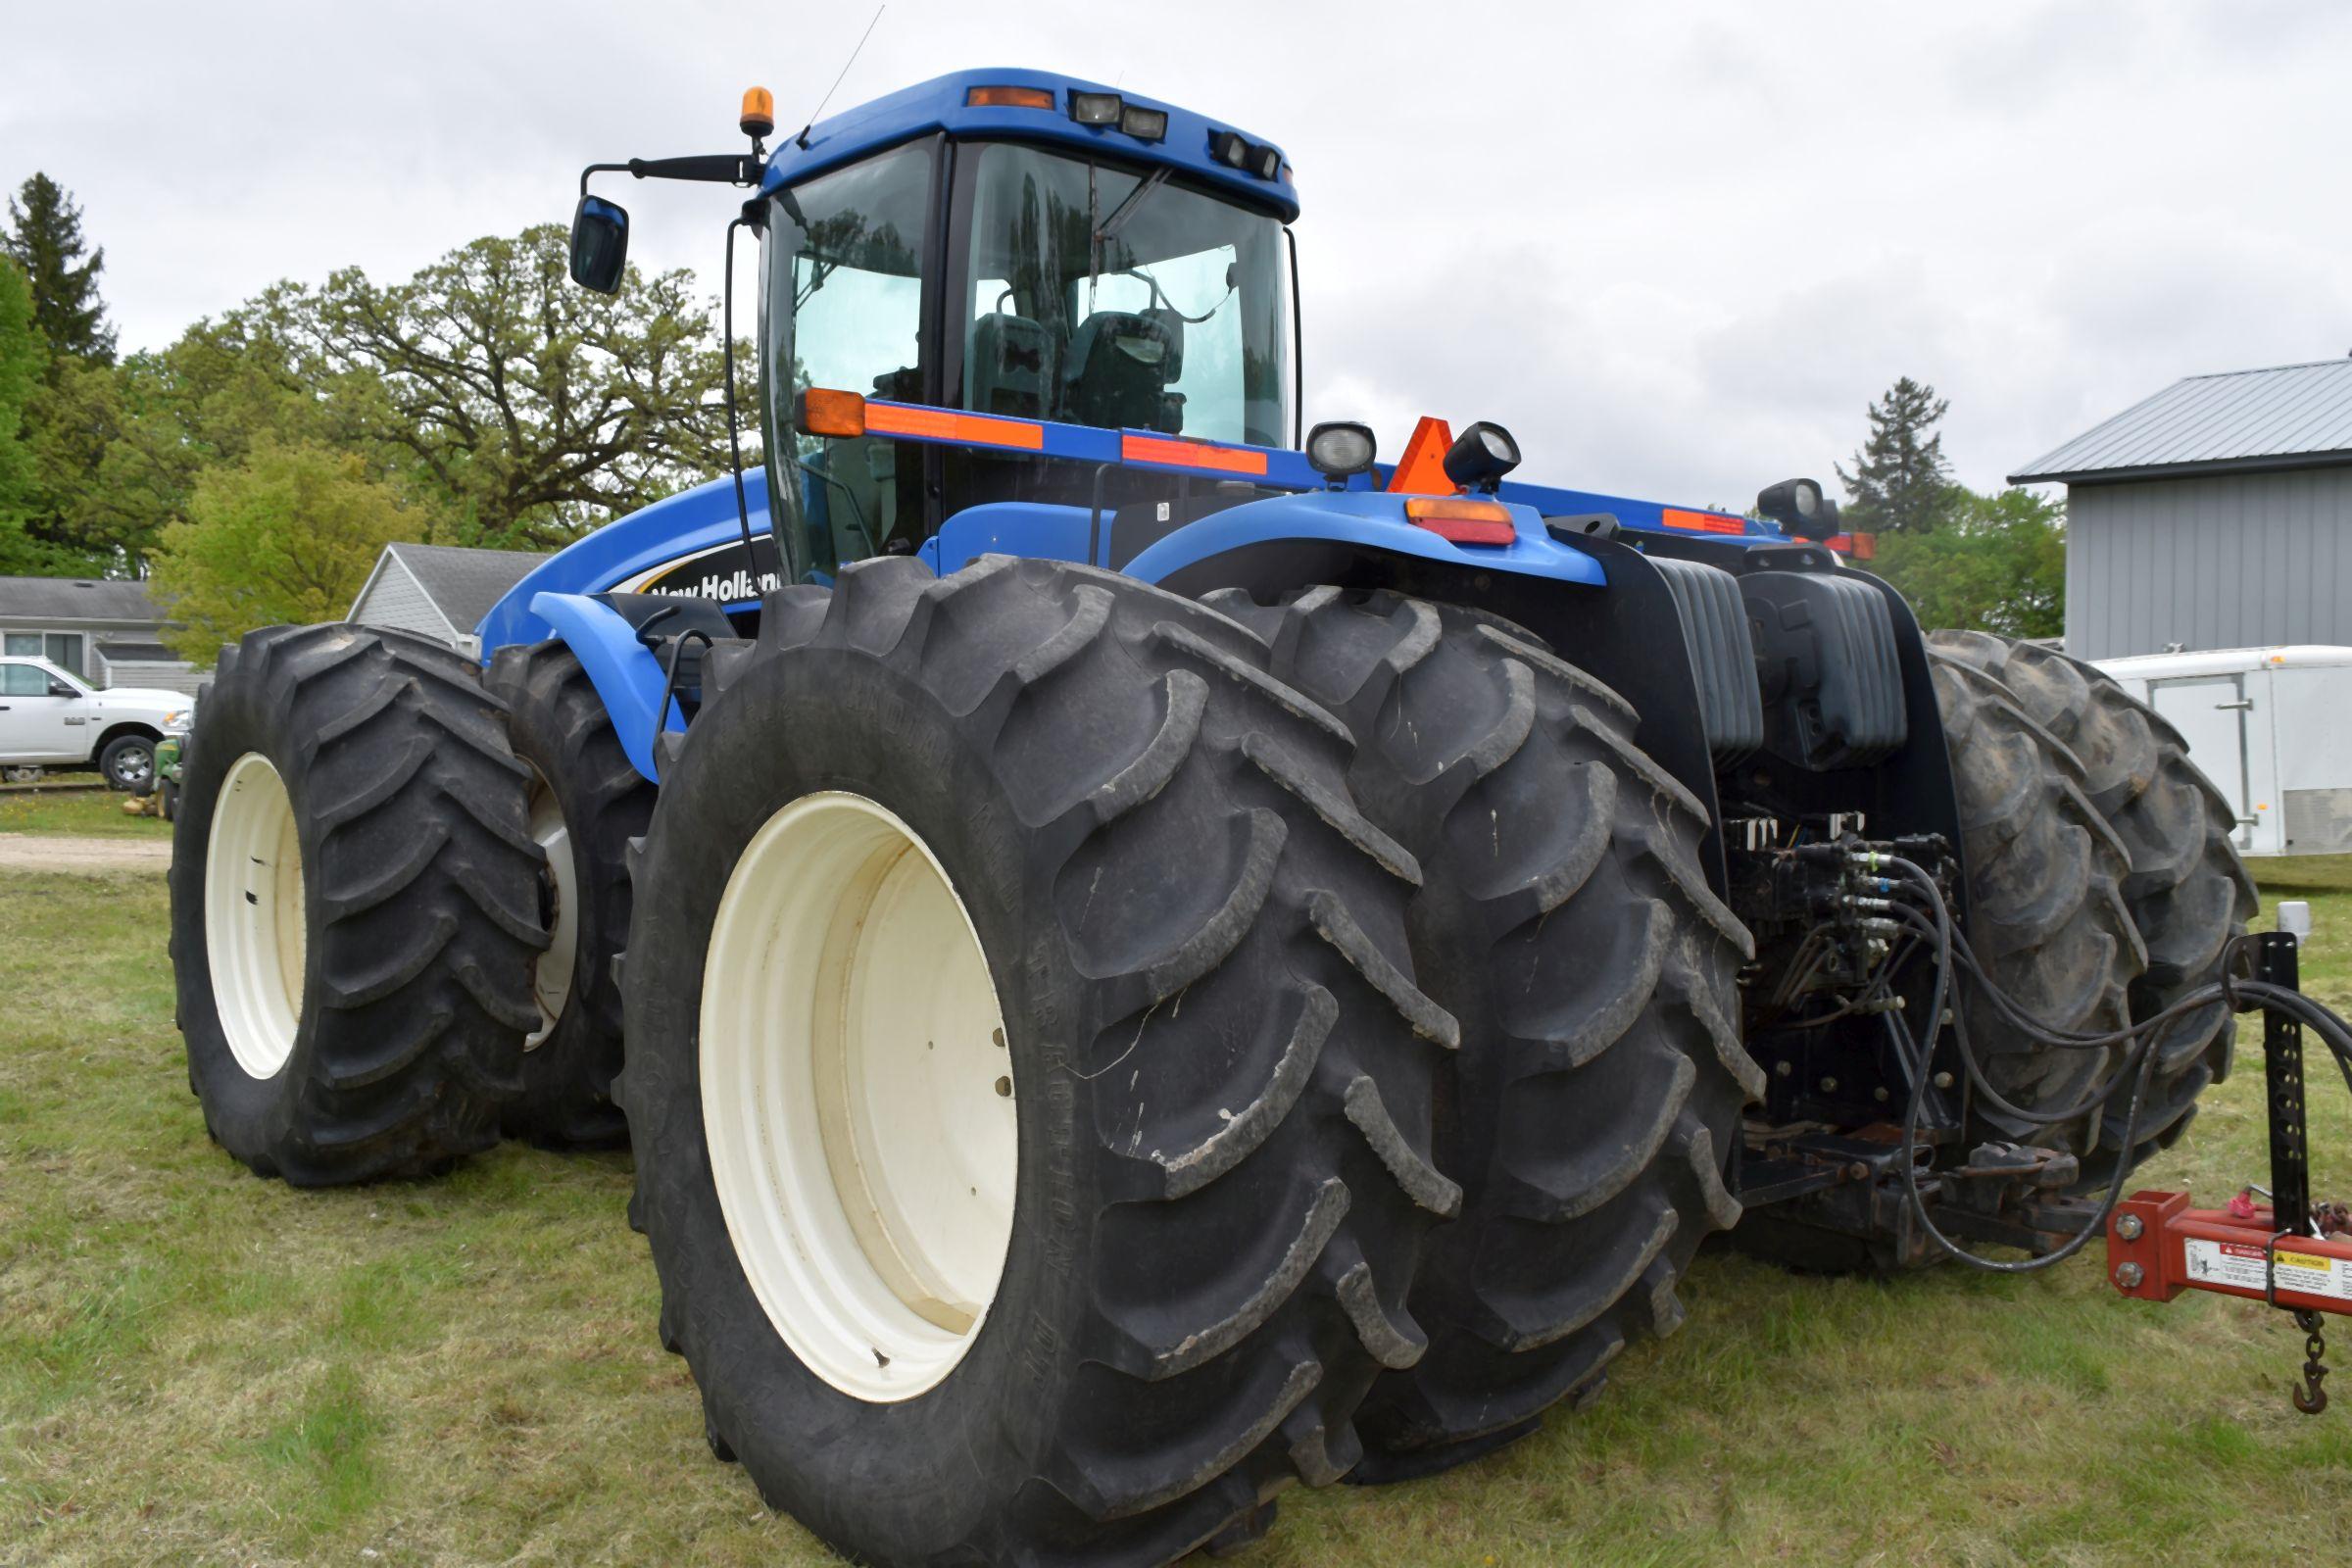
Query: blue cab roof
{"points": [[939, 105]]}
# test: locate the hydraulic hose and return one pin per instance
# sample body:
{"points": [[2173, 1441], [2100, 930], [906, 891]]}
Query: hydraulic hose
{"points": [[2140, 1043]]}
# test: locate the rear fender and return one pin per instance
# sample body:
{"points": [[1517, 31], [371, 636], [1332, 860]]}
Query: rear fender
{"points": [[626, 674]]}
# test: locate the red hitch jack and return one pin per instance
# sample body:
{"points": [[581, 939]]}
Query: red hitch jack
{"points": [[2158, 1247]]}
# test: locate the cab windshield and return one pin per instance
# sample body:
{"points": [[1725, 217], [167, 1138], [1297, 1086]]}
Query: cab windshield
{"points": [[1095, 295], [1076, 291]]}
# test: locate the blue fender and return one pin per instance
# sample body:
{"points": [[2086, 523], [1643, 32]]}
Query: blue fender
{"points": [[1035, 531], [1372, 521], [624, 671]]}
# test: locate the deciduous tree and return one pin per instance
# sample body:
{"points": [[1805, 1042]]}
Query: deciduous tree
{"points": [[287, 534], [1998, 563], [535, 407]]}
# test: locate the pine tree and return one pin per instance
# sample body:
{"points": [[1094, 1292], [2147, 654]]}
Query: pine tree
{"points": [[45, 239], [1900, 482]]}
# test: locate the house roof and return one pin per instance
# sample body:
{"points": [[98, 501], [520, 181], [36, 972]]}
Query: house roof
{"points": [[2287, 417], [76, 599], [464, 583]]}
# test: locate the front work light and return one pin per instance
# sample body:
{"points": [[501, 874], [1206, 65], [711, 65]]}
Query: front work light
{"points": [[1144, 125], [1337, 450], [1095, 108], [1481, 456], [1798, 506]]}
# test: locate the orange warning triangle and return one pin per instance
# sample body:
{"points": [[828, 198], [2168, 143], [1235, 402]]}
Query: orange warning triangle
{"points": [[1421, 471]]}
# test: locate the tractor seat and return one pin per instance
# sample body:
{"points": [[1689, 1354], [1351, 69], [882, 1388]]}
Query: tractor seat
{"points": [[1119, 367]]}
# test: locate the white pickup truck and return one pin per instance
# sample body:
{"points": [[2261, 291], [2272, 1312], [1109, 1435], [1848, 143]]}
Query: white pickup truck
{"points": [[49, 719]]}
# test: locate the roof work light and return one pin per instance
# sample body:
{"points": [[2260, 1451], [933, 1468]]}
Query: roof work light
{"points": [[1238, 150]]}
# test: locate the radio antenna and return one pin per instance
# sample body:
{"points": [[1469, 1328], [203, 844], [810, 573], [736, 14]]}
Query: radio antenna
{"points": [[801, 140]]}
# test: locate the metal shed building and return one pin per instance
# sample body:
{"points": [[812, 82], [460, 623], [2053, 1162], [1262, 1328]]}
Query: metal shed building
{"points": [[2216, 513]]}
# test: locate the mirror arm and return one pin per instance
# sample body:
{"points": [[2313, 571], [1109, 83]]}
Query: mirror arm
{"points": [[718, 168]]}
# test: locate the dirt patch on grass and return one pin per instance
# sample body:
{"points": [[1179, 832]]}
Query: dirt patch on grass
{"points": [[52, 852]]}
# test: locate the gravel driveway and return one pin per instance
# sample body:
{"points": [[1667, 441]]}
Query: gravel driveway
{"points": [[46, 851]]}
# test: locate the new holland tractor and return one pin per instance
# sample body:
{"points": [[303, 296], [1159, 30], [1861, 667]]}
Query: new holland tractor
{"points": [[1143, 955]]}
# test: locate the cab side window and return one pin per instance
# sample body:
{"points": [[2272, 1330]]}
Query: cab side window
{"points": [[844, 307], [24, 680]]}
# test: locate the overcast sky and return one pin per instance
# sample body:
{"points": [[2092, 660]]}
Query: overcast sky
{"points": [[1677, 248]]}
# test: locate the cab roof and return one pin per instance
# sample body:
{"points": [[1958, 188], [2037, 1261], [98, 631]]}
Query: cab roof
{"points": [[940, 105]]}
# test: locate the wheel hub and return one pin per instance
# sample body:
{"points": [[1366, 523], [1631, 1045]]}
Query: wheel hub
{"points": [[255, 919], [859, 1099]]}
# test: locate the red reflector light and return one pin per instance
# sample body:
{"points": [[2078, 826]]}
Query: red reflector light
{"points": [[1702, 521], [1008, 98], [828, 412], [1465, 522]]}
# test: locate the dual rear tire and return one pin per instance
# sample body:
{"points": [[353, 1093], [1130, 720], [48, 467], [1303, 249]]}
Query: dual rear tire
{"points": [[355, 906]]}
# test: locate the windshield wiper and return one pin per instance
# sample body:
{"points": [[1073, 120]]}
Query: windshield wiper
{"points": [[1107, 230]]}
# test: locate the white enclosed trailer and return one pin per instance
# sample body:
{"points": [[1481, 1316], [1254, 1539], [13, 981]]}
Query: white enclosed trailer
{"points": [[2271, 727]]}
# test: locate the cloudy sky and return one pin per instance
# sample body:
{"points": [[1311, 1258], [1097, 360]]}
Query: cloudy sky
{"points": [[1677, 248]]}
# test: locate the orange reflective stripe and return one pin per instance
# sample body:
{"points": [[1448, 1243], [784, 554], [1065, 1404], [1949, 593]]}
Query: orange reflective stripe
{"points": [[1701, 521], [1190, 454], [938, 425], [1422, 469]]}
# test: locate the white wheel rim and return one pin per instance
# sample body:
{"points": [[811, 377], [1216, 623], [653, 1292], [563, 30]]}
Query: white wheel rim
{"points": [[255, 928], [857, 1097], [551, 976]]}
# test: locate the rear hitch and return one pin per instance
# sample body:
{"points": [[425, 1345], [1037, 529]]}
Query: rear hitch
{"points": [[2286, 1253]]}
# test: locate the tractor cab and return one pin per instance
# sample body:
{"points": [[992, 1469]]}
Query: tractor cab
{"points": [[1013, 245]]}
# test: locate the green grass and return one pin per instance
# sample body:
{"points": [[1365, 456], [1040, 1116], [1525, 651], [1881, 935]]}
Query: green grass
{"points": [[94, 813], [196, 1365]]}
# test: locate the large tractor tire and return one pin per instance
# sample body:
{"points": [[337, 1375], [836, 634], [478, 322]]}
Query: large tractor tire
{"points": [[355, 906], [1031, 1098], [2186, 892], [587, 802], [1564, 919]]}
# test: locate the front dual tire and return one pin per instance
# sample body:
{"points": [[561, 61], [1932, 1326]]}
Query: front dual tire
{"points": [[1103, 1302]]}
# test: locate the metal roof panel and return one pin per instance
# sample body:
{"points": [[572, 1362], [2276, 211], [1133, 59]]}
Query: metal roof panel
{"points": [[2286, 411]]}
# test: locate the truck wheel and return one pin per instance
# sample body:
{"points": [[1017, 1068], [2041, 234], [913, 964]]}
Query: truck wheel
{"points": [[1030, 1095], [1564, 919], [2186, 891], [354, 906], [127, 762], [587, 802]]}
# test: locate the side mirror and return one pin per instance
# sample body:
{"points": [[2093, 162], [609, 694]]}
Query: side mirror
{"points": [[600, 244], [58, 688]]}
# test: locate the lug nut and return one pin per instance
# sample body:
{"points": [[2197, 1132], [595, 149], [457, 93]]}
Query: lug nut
{"points": [[1943, 1080], [1829, 1086], [2128, 1274], [1784, 1067], [1878, 1094], [2130, 1227]]}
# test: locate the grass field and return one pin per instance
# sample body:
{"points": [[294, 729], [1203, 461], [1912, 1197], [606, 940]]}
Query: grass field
{"points": [[198, 1366], [92, 813]]}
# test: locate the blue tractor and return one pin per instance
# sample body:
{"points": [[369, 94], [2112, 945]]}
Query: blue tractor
{"points": [[1143, 955]]}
